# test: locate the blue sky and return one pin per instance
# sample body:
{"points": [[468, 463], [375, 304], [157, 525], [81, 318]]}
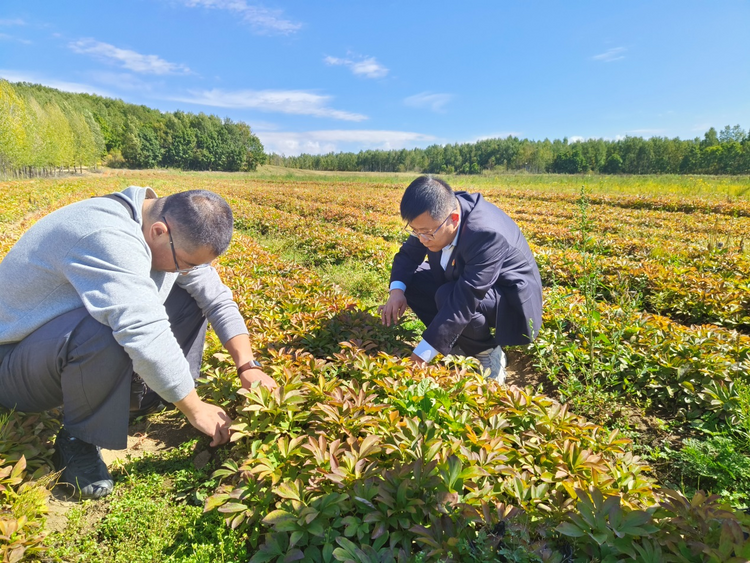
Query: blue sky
{"points": [[320, 76]]}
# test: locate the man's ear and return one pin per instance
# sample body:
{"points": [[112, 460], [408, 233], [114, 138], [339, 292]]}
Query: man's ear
{"points": [[161, 227], [157, 229]]}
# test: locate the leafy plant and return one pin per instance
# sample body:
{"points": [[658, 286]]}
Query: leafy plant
{"points": [[22, 507], [606, 530], [716, 463]]}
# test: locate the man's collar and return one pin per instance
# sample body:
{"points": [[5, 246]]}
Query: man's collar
{"points": [[458, 230]]}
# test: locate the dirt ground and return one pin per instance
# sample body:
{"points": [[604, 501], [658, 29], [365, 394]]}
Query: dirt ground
{"points": [[521, 373]]}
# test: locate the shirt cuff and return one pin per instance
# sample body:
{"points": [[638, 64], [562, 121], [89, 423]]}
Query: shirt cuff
{"points": [[425, 351], [397, 285]]}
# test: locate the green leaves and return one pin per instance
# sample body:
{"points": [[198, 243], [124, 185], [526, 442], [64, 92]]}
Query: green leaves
{"points": [[279, 519], [454, 474], [644, 357], [21, 513], [615, 530], [359, 446]]}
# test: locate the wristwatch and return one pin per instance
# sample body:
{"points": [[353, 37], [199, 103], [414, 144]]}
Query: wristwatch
{"points": [[249, 365]]}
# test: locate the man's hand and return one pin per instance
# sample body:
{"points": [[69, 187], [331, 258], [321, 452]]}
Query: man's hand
{"points": [[207, 418], [417, 360], [391, 312], [242, 354], [250, 376]]}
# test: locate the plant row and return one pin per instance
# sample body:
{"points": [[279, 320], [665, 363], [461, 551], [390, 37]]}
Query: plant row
{"points": [[687, 239], [688, 372], [683, 293], [358, 456], [690, 294]]}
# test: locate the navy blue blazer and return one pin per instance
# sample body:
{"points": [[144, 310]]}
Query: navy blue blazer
{"points": [[491, 254]]}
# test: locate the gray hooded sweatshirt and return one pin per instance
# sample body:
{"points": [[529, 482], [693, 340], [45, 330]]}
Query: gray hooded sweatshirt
{"points": [[93, 254]]}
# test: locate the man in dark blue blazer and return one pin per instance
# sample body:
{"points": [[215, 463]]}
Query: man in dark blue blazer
{"points": [[479, 275]]}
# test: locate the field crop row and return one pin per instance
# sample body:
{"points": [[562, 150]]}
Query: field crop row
{"points": [[687, 294], [356, 443], [360, 456], [698, 286]]}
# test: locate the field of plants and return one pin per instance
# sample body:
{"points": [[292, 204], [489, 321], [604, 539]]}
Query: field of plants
{"points": [[633, 444]]}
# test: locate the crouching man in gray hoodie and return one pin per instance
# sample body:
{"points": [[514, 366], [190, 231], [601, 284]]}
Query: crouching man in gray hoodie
{"points": [[104, 289]]}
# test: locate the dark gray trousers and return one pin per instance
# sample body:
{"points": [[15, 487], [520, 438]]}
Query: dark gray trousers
{"points": [[425, 296], [74, 361]]}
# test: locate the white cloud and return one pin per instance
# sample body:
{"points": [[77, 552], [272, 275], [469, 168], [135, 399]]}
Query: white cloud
{"points": [[611, 55], [264, 126], [6, 37], [575, 139], [262, 20], [76, 87], [429, 100], [367, 67], [297, 102], [16, 21], [322, 142], [146, 64], [122, 81]]}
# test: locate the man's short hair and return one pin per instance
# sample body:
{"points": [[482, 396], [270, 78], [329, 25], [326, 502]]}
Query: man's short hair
{"points": [[202, 218], [427, 194]]}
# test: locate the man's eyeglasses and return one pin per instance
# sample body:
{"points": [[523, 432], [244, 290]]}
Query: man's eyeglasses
{"points": [[428, 235], [174, 254]]}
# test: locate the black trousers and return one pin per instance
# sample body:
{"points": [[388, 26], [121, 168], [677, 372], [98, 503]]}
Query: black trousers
{"points": [[425, 296], [74, 361]]}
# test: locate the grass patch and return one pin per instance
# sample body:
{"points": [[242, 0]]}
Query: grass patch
{"points": [[154, 514], [353, 278], [364, 283]]}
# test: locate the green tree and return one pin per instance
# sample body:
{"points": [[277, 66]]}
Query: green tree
{"points": [[613, 164], [570, 162], [63, 151], [710, 139], [150, 151], [732, 134], [690, 163], [14, 145]]}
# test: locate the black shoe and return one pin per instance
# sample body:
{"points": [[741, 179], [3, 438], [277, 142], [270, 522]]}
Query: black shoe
{"points": [[144, 401], [82, 467], [149, 404]]}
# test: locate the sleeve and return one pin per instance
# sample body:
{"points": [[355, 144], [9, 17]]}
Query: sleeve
{"points": [[483, 265], [110, 270], [406, 261], [425, 351], [216, 301]]}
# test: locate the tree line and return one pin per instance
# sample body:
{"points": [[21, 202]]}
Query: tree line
{"points": [[723, 152], [44, 131]]}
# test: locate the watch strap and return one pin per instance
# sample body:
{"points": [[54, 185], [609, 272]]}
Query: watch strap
{"points": [[248, 365]]}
